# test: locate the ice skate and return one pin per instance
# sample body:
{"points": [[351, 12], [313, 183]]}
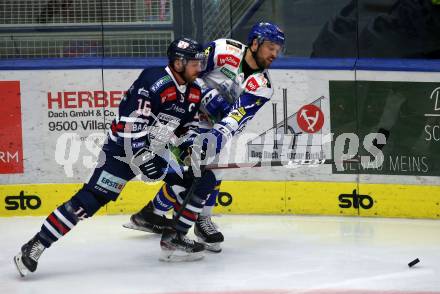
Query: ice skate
{"points": [[27, 259], [178, 247], [208, 234], [146, 220]]}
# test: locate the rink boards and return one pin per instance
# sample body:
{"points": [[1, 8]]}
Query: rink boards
{"points": [[248, 197], [54, 121]]}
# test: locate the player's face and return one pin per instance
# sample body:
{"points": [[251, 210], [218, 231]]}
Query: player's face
{"points": [[192, 70], [267, 53]]}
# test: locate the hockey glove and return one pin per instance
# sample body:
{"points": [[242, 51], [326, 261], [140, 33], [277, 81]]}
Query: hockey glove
{"points": [[215, 105], [150, 165]]}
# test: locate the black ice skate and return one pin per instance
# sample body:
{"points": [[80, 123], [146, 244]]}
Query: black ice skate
{"points": [[178, 247], [146, 220], [207, 233], [27, 259]]}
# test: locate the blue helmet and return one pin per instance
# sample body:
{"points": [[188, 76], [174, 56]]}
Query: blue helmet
{"points": [[185, 48], [266, 31]]}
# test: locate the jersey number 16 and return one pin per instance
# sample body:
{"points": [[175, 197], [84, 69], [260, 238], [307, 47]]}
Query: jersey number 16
{"points": [[144, 109]]}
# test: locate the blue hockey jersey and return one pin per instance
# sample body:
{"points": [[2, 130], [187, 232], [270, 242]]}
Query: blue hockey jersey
{"points": [[154, 109]]}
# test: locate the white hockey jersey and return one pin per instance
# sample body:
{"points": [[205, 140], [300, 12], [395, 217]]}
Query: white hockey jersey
{"points": [[248, 90], [224, 71]]}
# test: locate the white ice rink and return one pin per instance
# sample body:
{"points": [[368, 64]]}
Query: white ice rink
{"points": [[261, 254]]}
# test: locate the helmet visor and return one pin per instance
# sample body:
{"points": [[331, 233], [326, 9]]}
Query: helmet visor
{"points": [[276, 46], [201, 59]]}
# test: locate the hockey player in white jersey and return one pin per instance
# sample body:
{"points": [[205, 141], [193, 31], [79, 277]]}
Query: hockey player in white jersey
{"points": [[238, 74]]}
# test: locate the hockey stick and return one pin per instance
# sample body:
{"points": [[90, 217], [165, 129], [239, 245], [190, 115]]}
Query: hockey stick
{"points": [[278, 163], [196, 181], [287, 164], [190, 193]]}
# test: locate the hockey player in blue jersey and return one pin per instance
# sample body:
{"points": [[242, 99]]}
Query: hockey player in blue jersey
{"points": [[236, 74], [157, 106]]}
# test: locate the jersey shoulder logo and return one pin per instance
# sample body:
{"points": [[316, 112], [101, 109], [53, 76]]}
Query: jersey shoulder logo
{"points": [[257, 81], [159, 83], [230, 59], [252, 84]]}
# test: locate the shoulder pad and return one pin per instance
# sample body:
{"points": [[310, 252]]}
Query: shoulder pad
{"points": [[228, 43], [160, 82], [228, 52], [259, 84], [234, 44]]}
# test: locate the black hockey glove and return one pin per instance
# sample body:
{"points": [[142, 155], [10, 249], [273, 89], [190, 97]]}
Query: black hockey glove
{"points": [[150, 165]]}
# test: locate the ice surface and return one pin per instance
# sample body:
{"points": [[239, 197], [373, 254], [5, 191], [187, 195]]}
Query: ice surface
{"points": [[261, 254]]}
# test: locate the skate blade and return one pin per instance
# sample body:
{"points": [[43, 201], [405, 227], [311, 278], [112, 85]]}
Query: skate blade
{"points": [[21, 268], [211, 247], [132, 226], [179, 256]]}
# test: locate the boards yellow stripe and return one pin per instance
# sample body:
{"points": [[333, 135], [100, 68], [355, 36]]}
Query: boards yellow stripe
{"points": [[134, 196], [246, 197]]}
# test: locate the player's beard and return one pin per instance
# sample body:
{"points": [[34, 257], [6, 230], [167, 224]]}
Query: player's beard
{"points": [[188, 78], [261, 62]]}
